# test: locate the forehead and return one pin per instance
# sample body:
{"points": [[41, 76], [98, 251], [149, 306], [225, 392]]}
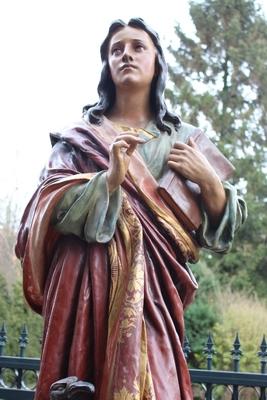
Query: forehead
{"points": [[129, 33]]}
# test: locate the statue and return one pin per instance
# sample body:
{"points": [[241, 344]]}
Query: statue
{"points": [[105, 260]]}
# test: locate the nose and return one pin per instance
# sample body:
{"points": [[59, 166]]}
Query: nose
{"points": [[127, 56]]}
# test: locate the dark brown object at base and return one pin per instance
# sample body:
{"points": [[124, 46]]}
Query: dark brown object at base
{"points": [[71, 388]]}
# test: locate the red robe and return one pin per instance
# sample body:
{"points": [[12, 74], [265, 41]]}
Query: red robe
{"points": [[113, 311]]}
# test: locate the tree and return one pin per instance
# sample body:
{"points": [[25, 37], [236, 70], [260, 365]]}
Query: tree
{"points": [[19, 315], [219, 82], [5, 300], [14, 311], [9, 264], [203, 315]]}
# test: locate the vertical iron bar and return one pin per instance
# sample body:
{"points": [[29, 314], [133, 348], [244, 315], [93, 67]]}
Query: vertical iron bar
{"points": [[263, 393], [3, 339], [186, 348], [263, 360], [263, 355], [209, 351], [23, 340], [236, 355]]}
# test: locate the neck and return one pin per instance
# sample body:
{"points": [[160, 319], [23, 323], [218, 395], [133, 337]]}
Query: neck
{"points": [[131, 109]]}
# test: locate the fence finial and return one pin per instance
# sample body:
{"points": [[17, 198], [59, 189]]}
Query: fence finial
{"points": [[3, 338], [263, 355], [209, 350], [23, 340], [186, 348], [236, 353]]}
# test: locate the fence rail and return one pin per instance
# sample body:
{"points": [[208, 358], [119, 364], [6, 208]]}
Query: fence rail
{"points": [[19, 375]]}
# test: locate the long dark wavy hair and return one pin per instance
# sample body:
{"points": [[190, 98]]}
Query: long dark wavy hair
{"points": [[106, 88]]}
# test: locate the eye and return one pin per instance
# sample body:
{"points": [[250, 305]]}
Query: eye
{"points": [[116, 51], [139, 47]]}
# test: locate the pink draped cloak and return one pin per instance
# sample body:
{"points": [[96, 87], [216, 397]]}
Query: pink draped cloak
{"points": [[113, 312]]}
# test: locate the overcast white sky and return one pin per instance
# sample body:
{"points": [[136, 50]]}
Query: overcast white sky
{"points": [[50, 68]]}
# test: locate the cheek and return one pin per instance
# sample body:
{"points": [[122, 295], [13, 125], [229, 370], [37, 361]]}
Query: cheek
{"points": [[112, 69], [149, 68], [150, 64]]}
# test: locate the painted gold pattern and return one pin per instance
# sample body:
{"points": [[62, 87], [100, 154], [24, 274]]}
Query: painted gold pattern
{"points": [[126, 310], [146, 382], [126, 301], [124, 394], [149, 393], [134, 294], [187, 245]]}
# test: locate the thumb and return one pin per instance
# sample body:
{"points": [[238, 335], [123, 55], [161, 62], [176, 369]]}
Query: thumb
{"points": [[131, 149]]}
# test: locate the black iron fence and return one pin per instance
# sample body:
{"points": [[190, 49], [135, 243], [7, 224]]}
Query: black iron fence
{"points": [[19, 374], [210, 384]]}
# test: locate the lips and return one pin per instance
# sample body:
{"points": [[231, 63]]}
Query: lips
{"points": [[125, 66]]}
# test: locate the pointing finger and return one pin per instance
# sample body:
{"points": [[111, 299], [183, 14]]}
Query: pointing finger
{"points": [[129, 139]]}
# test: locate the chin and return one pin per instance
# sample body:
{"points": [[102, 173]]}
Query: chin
{"points": [[130, 82]]}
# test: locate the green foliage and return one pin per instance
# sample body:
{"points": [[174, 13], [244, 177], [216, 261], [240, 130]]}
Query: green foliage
{"points": [[219, 83], [202, 315], [9, 265], [4, 299], [16, 313], [238, 313]]}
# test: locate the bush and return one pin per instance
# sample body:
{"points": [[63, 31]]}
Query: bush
{"points": [[202, 315], [15, 313], [246, 316]]}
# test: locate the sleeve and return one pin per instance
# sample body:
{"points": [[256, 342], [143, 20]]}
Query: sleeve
{"points": [[220, 239], [89, 211]]}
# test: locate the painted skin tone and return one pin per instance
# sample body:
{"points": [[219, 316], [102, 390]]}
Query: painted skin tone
{"points": [[131, 58]]}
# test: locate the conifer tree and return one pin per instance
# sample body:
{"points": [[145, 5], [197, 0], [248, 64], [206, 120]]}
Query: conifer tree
{"points": [[219, 83]]}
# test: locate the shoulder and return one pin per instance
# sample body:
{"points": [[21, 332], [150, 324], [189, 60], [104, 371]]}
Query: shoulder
{"points": [[69, 134], [186, 130]]}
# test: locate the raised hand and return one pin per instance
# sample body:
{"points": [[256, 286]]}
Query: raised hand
{"points": [[121, 151], [188, 161]]}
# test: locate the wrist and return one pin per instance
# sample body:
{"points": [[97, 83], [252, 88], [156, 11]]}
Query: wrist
{"points": [[214, 200], [211, 185], [112, 183]]}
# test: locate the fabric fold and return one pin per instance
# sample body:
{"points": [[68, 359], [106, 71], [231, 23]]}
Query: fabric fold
{"points": [[108, 273], [89, 211], [220, 239]]}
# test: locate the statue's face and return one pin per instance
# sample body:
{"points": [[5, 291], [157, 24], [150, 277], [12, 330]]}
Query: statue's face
{"points": [[131, 58]]}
